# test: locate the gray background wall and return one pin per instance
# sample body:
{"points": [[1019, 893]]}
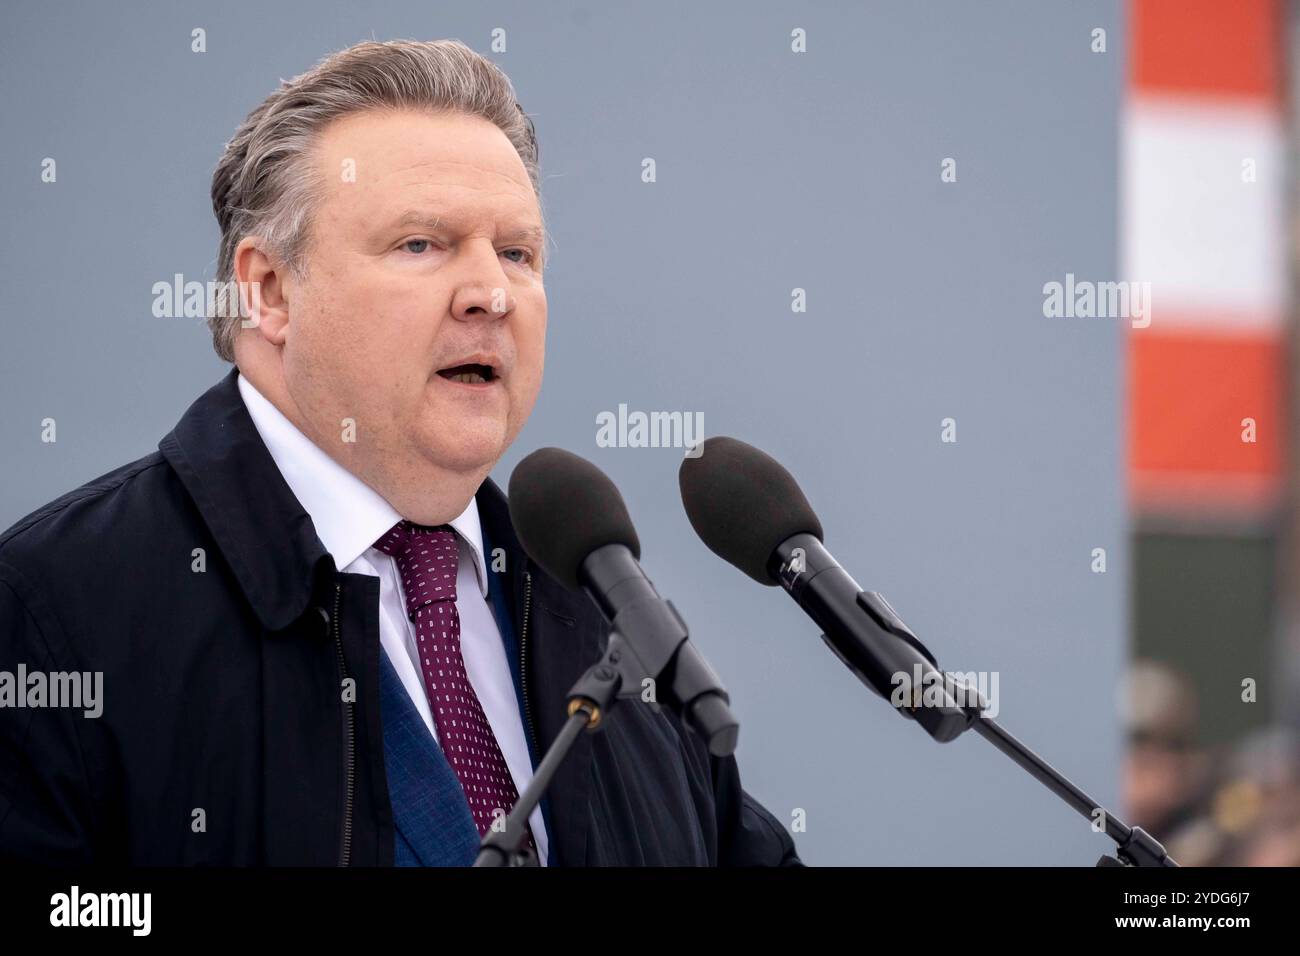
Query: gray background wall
{"points": [[775, 171]]}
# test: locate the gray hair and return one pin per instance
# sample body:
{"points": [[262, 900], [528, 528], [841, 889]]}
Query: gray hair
{"points": [[263, 184]]}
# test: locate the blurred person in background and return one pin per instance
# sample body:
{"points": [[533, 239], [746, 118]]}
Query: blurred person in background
{"points": [[1164, 769]]}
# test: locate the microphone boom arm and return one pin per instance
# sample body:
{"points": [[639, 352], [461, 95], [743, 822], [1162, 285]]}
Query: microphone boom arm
{"points": [[881, 647]]}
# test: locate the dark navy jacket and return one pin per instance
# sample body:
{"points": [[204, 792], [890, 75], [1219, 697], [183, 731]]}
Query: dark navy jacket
{"points": [[225, 738]]}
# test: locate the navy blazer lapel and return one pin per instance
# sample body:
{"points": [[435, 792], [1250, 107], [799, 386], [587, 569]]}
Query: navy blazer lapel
{"points": [[500, 604], [563, 643], [429, 808]]}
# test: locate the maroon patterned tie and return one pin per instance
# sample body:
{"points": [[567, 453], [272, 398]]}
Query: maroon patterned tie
{"points": [[426, 560]]}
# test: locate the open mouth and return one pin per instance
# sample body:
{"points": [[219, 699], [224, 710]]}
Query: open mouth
{"points": [[469, 374]]}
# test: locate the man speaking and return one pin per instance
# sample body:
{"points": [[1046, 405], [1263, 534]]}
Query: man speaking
{"points": [[319, 640]]}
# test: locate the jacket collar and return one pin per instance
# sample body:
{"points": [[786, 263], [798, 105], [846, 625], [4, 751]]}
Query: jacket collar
{"points": [[264, 533], [262, 529]]}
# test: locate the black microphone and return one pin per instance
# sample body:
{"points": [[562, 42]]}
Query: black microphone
{"points": [[572, 521], [750, 512]]}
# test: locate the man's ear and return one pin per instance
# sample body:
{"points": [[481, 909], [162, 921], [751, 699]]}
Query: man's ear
{"points": [[263, 291]]}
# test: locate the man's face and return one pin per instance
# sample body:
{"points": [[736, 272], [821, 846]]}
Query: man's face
{"points": [[424, 264]]}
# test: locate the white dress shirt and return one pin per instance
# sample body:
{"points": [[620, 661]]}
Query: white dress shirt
{"points": [[350, 517]]}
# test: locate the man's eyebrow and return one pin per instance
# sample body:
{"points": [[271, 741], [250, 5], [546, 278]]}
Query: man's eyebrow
{"points": [[431, 220], [414, 217], [531, 233]]}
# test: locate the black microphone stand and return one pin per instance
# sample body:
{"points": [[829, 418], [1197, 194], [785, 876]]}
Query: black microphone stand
{"points": [[1136, 847], [589, 701], [886, 648]]}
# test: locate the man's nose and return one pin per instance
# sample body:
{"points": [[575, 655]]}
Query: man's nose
{"points": [[484, 289]]}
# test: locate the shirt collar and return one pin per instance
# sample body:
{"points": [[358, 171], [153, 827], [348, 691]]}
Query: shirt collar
{"points": [[349, 515]]}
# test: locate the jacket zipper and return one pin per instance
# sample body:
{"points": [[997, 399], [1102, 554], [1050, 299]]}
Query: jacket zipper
{"points": [[349, 740], [523, 662]]}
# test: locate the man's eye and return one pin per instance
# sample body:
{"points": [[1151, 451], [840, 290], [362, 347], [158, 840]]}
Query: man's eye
{"points": [[422, 243], [526, 253]]}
